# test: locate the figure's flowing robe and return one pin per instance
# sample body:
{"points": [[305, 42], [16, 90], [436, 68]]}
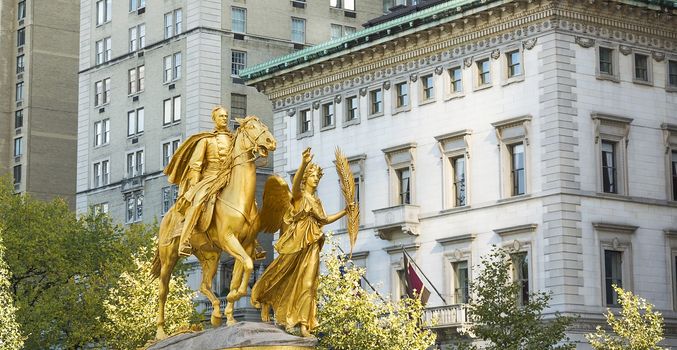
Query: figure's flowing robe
{"points": [[290, 283]]}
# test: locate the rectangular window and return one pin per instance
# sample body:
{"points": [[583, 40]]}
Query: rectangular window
{"points": [[19, 118], [172, 67], [402, 91], [21, 10], [672, 73], [17, 174], [178, 21], [338, 31], [327, 114], [304, 121], [102, 92], [19, 91], [641, 67], [135, 121], [238, 106], [20, 37], [239, 20], [484, 72], [101, 208], [514, 59], [376, 101], [517, 169], [136, 80], [135, 163], [18, 143], [520, 268], [168, 149], [404, 179], [298, 30], [606, 60], [673, 162], [461, 282], [103, 11], [173, 23], [103, 50], [351, 108], [343, 4], [136, 4], [171, 110], [134, 203], [102, 132], [169, 196], [238, 62], [427, 87], [458, 166], [101, 173], [609, 167], [613, 275], [455, 77], [20, 64], [108, 49]]}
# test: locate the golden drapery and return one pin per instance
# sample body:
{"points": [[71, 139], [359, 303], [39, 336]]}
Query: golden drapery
{"points": [[289, 284]]}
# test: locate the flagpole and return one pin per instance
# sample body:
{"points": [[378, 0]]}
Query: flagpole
{"points": [[424, 276], [364, 277]]}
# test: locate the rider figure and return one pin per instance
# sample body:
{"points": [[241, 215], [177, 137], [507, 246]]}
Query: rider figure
{"points": [[201, 167]]}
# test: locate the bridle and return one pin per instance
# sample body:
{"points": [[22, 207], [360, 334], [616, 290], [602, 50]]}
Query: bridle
{"points": [[253, 141]]}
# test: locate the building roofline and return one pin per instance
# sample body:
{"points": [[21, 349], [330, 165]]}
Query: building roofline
{"points": [[390, 28]]}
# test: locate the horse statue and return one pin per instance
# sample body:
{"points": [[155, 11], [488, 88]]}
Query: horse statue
{"points": [[233, 227]]}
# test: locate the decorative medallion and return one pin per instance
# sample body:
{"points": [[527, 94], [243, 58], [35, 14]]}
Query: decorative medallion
{"points": [[291, 112], [386, 85], [336, 87], [337, 99], [467, 62], [288, 101], [624, 49], [297, 98], [317, 92], [516, 245], [316, 105], [439, 70], [306, 95], [529, 43], [457, 254], [496, 54], [413, 77], [326, 90], [615, 243], [363, 91], [585, 42], [658, 56]]}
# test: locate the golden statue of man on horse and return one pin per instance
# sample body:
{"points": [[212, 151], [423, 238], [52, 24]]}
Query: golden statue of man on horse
{"points": [[216, 211]]}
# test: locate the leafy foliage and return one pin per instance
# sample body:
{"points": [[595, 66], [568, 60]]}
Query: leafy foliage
{"points": [[500, 320], [639, 327], [132, 304], [62, 267], [352, 318], [10, 335]]}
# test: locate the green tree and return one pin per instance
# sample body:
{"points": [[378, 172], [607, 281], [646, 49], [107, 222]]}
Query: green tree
{"points": [[352, 318], [10, 335], [639, 327], [62, 267], [132, 305], [499, 318]]}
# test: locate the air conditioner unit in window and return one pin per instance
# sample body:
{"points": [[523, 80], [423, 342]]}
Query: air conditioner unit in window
{"points": [[135, 140], [18, 130], [171, 86], [21, 49], [350, 14], [141, 11], [21, 23], [298, 4], [101, 110], [238, 36], [19, 103], [17, 159], [139, 54], [135, 98]]}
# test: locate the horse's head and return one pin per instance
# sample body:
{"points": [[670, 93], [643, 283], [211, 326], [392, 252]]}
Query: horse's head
{"points": [[257, 135]]}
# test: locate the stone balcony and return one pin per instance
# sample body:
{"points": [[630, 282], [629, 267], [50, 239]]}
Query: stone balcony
{"points": [[448, 316], [398, 219]]}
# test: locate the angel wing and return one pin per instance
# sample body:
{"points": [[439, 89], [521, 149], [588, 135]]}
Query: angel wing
{"points": [[276, 202]]}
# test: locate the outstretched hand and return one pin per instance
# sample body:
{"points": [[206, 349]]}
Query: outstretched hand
{"points": [[307, 156]]}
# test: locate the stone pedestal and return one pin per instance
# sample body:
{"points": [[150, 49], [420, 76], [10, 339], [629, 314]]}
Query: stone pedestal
{"points": [[242, 335]]}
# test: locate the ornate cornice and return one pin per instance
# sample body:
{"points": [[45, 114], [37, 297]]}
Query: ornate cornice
{"points": [[462, 39]]}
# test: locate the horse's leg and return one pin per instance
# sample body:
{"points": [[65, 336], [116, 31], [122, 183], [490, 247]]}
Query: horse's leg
{"points": [[209, 260], [232, 294], [168, 257]]}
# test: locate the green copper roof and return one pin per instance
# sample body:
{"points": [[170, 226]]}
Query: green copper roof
{"points": [[389, 28]]}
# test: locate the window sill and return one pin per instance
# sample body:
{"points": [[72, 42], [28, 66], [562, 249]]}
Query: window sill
{"points": [[401, 109], [455, 209], [454, 96], [611, 78], [427, 102], [171, 124], [612, 195], [375, 115], [304, 135], [347, 123], [130, 137], [514, 198], [482, 87], [642, 82], [513, 80], [101, 145], [671, 88], [328, 127]]}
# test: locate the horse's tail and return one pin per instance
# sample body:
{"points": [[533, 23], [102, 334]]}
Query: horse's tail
{"points": [[155, 269]]}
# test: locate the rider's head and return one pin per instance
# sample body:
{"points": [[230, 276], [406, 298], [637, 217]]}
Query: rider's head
{"points": [[220, 118]]}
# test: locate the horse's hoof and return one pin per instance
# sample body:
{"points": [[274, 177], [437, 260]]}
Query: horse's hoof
{"points": [[231, 321], [216, 320]]}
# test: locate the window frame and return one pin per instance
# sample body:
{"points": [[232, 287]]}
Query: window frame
{"points": [[21, 37], [102, 132], [173, 72], [348, 111], [18, 118], [671, 87], [508, 77], [167, 203], [17, 148], [670, 143], [170, 146], [304, 116], [233, 10], [423, 88], [453, 146], [136, 216], [615, 237], [137, 131], [174, 26], [104, 173], [399, 158], [132, 169], [479, 82], [21, 10], [139, 81], [614, 64], [174, 116], [331, 125], [649, 68], [371, 92], [293, 38], [612, 128], [135, 5], [19, 91], [20, 63], [397, 107], [102, 97], [17, 174], [509, 133], [237, 66], [451, 90], [137, 37], [456, 249]]}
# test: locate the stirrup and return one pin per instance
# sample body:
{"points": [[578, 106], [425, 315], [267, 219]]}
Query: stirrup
{"points": [[185, 250]]}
